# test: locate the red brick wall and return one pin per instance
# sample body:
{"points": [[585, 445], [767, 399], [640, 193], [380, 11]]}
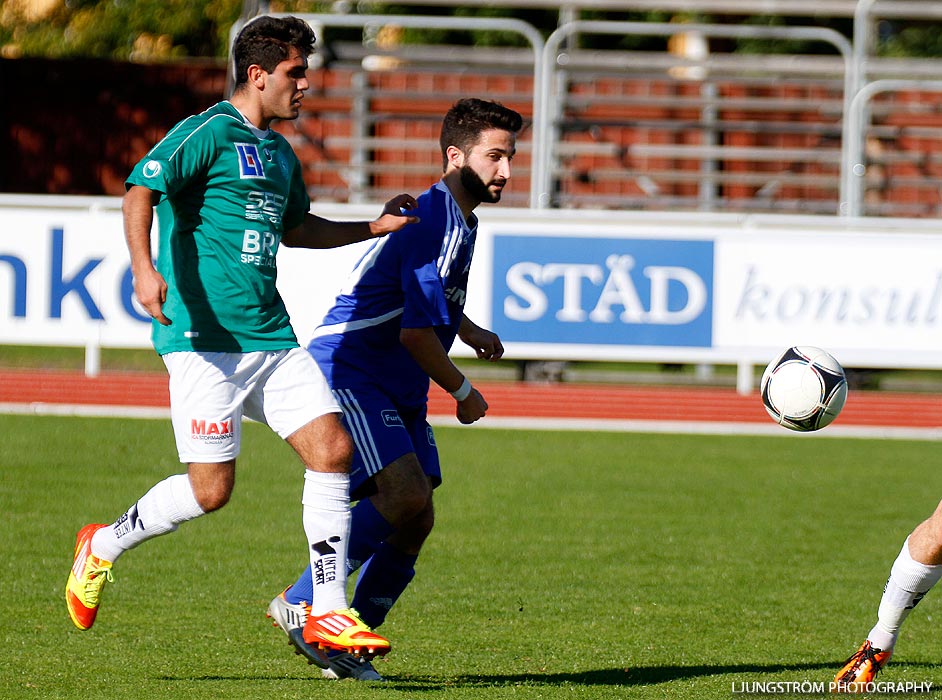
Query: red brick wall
{"points": [[77, 127]]}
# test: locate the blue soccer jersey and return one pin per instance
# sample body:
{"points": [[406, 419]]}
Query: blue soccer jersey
{"points": [[416, 277]]}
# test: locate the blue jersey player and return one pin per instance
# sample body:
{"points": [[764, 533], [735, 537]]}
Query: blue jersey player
{"points": [[387, 334]]}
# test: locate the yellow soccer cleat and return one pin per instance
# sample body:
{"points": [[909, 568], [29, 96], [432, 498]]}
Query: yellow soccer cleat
{"points": [[88, 576], [861, 668], [343, 630]]}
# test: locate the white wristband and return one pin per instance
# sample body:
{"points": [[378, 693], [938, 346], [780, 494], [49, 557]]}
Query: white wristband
{"points": [[462, 392]]}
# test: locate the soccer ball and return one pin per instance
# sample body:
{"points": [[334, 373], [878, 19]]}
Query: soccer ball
{"points": [[804, 388]]}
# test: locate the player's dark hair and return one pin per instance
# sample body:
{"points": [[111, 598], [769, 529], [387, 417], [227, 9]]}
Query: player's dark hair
{"points": [[267, 41], [469, 118]]}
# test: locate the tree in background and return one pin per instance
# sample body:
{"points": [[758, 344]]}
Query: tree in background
{"points": [[161, 30], [138, 30]]}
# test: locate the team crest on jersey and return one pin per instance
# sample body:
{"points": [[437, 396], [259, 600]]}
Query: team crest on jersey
{"points": [[250, 164], [151, 169]]}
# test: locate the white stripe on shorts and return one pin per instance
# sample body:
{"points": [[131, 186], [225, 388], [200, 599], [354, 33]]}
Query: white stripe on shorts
{"points": [[359, 430]]}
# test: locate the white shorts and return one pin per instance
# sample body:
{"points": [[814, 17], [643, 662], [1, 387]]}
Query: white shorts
{"points": [[211, 391]]}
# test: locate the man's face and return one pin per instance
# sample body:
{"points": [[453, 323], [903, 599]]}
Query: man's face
{"points": [[285, 87], [486, 166]]}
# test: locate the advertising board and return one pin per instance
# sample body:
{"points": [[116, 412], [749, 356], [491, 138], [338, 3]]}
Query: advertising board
{"points": [[566, 285]]}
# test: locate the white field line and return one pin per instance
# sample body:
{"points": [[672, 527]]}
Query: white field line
{"points": [[570, 424]]}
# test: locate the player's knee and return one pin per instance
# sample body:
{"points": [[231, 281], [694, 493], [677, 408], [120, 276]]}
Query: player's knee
{"points": [[424, 521], [412, 535], [411, 505], [414, 502], [339, 450], [323, 445], [334, 453], [934, 521], [212, 484], [934, 524], [213, 496], [403, 491]]}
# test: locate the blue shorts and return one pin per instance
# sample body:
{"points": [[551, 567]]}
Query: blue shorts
{"points": [[382, 433]]}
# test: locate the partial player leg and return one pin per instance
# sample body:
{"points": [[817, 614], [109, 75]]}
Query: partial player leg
{"points": [[402, 492], [173, 501], [290, 609], [387, 574], [368, 529], [390, 572], [917, 568], [204, 488], [325, 448]]}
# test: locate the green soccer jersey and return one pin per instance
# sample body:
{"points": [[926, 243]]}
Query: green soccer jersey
{"points": [[228, 192]]}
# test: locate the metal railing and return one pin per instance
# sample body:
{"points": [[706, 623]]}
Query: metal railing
{"points": [[518, 27], [556, 59], [854, 166], [825, 156]]}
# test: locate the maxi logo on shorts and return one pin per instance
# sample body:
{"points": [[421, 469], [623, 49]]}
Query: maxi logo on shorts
{"points": [[211, 431]]}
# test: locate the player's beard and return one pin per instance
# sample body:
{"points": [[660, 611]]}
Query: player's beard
{"points": [[476, 187]]}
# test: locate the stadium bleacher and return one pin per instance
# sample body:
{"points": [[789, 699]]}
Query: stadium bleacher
{"points": [[697, 126], [681, 122]]}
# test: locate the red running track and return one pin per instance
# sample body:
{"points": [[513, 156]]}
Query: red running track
{"points": [[507, 400]]}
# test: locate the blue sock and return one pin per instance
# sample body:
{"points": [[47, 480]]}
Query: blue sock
{"points": [[382, 580], [368, 529], [302, 591]]}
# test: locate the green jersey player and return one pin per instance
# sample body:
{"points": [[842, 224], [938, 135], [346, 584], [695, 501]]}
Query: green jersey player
{"points": [[229, 192]]}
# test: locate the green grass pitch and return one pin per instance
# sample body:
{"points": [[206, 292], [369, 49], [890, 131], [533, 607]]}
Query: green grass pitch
{"points": [[563, 565]]}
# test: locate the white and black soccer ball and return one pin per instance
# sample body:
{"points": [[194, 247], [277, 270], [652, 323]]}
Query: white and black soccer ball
{"points": [[804, 388]]}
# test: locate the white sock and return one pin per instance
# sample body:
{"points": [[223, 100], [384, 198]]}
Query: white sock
{"points": [[159, 511], [909, 581], [326, 516]]}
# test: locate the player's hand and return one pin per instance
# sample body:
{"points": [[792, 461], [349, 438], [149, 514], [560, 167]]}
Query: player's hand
{"points": [[485, 343], [472, 408], [151, 291], [395, 215]]}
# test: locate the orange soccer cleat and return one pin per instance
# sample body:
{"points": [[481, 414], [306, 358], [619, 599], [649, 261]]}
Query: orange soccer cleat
{"points": [[861, 668], [343, 630], [86, 580]]}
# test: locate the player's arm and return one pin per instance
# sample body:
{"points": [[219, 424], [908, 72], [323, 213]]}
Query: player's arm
{"points": [[427, 350], [485, 343], [317, 232], [149, 285]]}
